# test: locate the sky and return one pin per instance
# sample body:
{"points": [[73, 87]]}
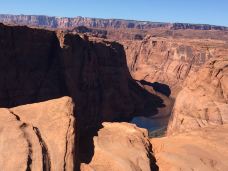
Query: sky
{"points": [[186, 11]]}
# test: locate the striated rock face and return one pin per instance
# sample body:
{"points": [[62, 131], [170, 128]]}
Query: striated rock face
{"points": [[169, 61], [201, 150], [64, 22], [121, 146], [202, 103], [204, 98], [38, 136]]}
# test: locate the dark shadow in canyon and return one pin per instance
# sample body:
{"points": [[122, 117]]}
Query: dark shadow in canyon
{"points": [[156, 124], [159, 87], [35, 68], [151, 101]]}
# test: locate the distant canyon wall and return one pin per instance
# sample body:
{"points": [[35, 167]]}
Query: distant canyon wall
{"points": [[170, 61], [64, 22]]}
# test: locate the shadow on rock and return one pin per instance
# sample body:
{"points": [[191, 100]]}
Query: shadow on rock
{"points": [[159, 87], [39, 65]]}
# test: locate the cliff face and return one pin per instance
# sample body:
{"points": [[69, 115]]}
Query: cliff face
{"points": [[170, 61], [197, 130], [64, 22], [38, 65], [34, 67], [203, 100], [30, 66]]}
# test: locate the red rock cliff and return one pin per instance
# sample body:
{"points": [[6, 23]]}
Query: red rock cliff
{"points": [[38, 65]]}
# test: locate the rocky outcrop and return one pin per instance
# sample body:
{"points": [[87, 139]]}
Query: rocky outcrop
{"points": [[204, 99], [38, 136], [204, 149], [169, 61], [121, 146]]}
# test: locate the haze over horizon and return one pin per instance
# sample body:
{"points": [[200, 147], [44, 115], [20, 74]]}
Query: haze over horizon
{"points": [[196, 12]]}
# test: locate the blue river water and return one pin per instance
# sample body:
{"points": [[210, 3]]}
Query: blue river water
{"points": [[150, 123]]}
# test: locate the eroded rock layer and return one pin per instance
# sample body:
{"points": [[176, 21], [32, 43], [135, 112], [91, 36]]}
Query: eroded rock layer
{"points": [[170, 61], [38, 136], [64, 22], [204, 99]]}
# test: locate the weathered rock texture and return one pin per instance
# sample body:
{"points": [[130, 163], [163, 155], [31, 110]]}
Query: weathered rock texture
{"points": [[204, 98], [121, 146], [38, 136], [170, 61], [202, 103], [202, 150], [64, 22]]}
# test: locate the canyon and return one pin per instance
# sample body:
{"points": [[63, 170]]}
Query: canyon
{"points": [[68, 87]]}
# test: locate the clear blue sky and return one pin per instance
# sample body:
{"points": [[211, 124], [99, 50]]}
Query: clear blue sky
{"points": [[190, 11]]}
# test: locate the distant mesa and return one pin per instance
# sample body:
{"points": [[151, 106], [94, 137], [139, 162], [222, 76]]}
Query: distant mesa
{"points": [[64, 22]]}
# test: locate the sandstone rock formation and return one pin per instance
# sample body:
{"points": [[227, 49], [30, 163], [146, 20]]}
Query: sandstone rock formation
{"points": [[46, 65], [38, 136], [202, 150], [202, 103], [169, 61], [204, 99], [121, 146], [39, 65], [64, 22]]}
